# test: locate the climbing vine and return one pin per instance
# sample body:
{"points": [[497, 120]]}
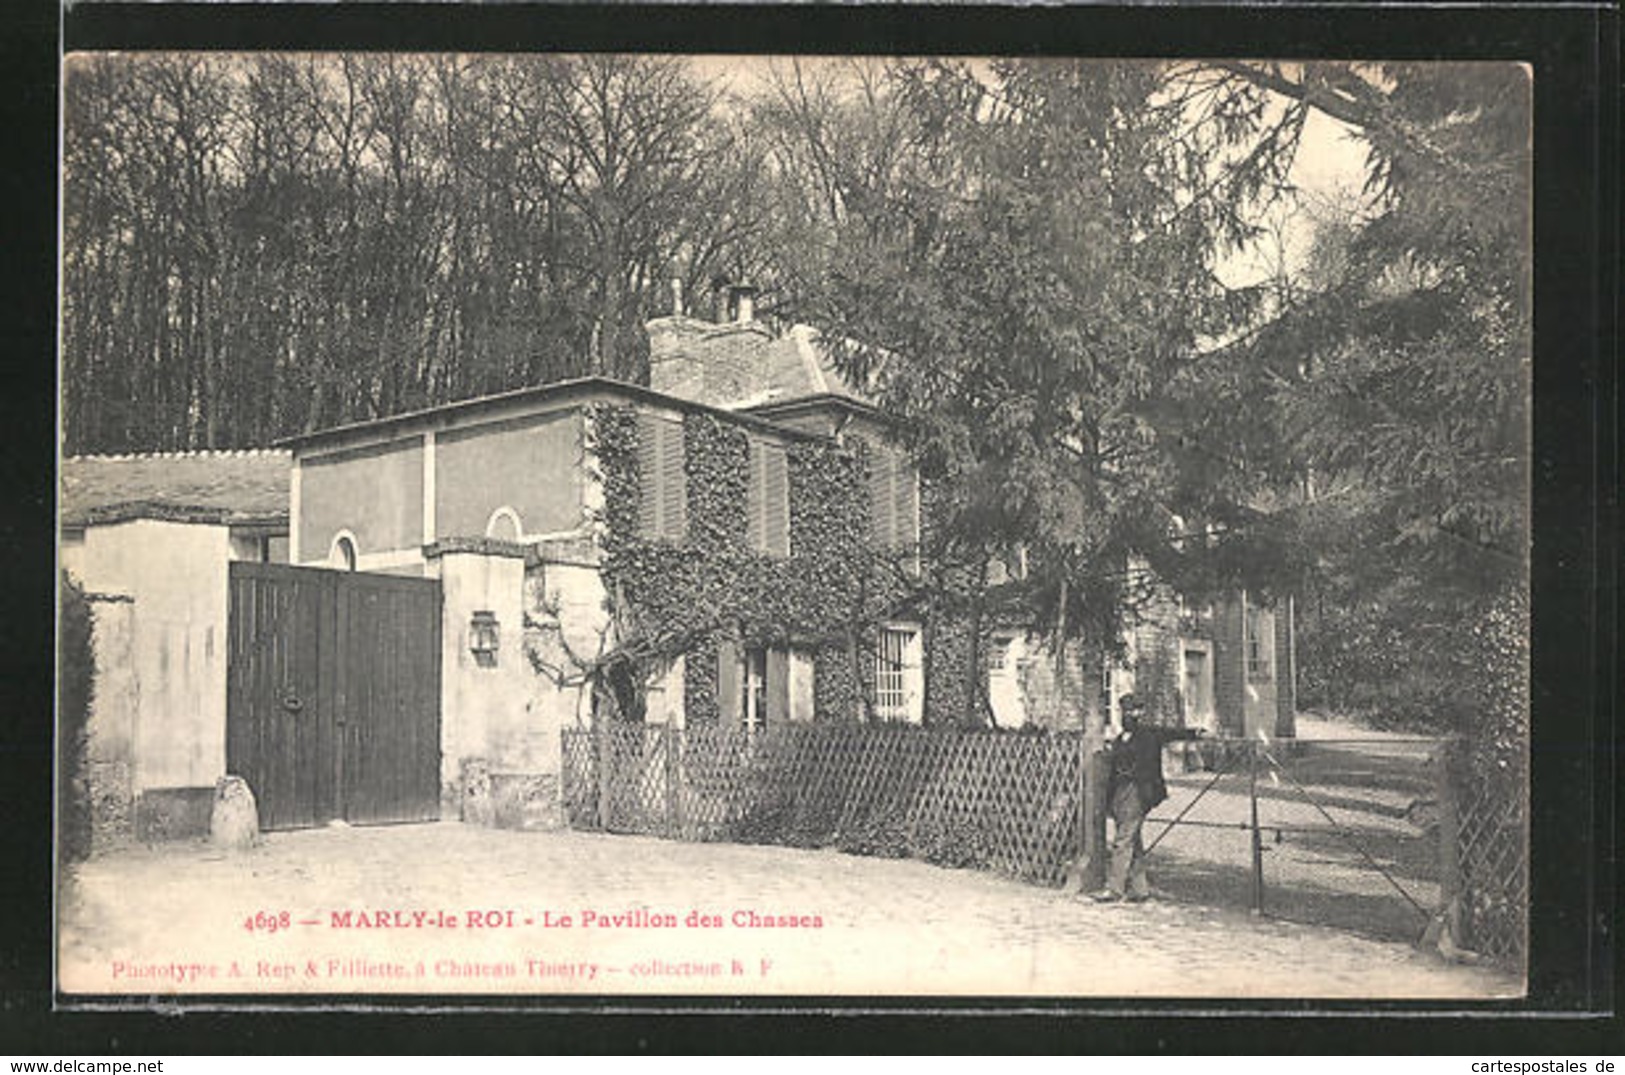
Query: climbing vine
{"points": [[687, 598]]}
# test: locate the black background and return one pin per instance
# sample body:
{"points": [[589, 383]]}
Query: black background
{"points": [[1574, 53]]}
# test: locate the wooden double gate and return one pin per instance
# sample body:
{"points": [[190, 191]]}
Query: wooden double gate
{"points": [[333, 696]]}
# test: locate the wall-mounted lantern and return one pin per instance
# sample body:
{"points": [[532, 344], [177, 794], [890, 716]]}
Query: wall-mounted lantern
{"points": [[484, 635]]}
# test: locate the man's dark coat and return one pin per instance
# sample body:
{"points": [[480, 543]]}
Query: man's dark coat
{"points": [[1137, 755]]}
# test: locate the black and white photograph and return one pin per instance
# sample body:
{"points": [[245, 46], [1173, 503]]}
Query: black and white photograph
{"points": [[678, 525]]}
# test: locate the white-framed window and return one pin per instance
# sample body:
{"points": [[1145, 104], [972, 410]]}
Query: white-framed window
{"points": [[899, 675], [996, 653], [1195, 609], [753, 689], [753, 684]]}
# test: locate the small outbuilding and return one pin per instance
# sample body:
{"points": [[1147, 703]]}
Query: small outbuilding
{"points": [[150, 538]]}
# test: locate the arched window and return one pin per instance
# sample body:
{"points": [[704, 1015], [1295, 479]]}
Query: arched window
{"points": [[504, 525], [343, 554]]}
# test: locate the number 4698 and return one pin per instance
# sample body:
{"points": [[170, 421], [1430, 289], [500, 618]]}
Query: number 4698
{"points": [[266, 921]]}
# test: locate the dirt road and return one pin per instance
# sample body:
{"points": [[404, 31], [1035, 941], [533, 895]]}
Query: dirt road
{"points": [[448, 908]]}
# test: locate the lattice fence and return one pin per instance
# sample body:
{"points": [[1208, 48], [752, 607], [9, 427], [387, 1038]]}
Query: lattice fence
{"points": [[1493, 849], [1003, 801]]}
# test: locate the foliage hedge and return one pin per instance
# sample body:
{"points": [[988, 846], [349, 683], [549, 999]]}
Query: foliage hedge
{"points": [[75, 688]]}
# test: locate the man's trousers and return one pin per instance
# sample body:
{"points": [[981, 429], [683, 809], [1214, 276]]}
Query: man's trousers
{"points": [[1127, 873]]}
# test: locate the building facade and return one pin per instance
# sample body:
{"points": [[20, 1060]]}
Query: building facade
{"points": [[737, 544]]}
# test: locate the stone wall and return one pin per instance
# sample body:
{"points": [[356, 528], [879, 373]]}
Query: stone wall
{"points": [[110, 730], [1229, 665], [1056, 696], [1158, 658]]}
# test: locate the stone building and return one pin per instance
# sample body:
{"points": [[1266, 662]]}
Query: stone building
{"points": [[734, 544], [1224, 663]]}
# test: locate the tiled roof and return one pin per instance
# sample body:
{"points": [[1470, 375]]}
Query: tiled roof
{"points": [[248, 486]]}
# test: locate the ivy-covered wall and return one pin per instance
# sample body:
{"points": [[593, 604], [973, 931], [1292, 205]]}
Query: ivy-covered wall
{"points": [[687, 597], [828, 598]]}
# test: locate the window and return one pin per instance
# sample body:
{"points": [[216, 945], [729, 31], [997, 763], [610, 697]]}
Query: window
{"points": [[894, 499], [343, 554], [996, 654], [1260, 626], [1195, 613], [662, 487], [768, 499], [504, 525], [899, 685], [753, 685]]}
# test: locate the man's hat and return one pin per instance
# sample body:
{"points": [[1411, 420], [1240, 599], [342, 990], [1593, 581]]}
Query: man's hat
{"points": [[1130, 704]]}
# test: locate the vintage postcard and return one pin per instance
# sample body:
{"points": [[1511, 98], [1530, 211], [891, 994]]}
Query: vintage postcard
{"points": [[644, 525]]}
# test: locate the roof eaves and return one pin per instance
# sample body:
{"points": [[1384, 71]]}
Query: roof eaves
{"points": [[201, 453], [560, 390], [775, 408], [164, 511]]}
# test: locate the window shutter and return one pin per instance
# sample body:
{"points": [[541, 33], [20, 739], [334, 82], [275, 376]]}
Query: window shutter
{"points": [[778, 684], [905, 493], [882, 505], [775, 501], [729, 682], [767, 500], [649, 475], [674, 483], [662, 486], [755, 496]]}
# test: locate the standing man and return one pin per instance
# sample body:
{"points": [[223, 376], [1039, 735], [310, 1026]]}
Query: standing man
{"points": [[1134, 789]]}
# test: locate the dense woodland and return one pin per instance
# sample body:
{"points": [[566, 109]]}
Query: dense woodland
{"points": [[1030, 253]]}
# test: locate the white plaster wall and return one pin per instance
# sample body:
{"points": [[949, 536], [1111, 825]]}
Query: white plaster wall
{"points": [[576, 595], [71, 554], [567, 624], [110, 735], [176, 573], [485, 711]]}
